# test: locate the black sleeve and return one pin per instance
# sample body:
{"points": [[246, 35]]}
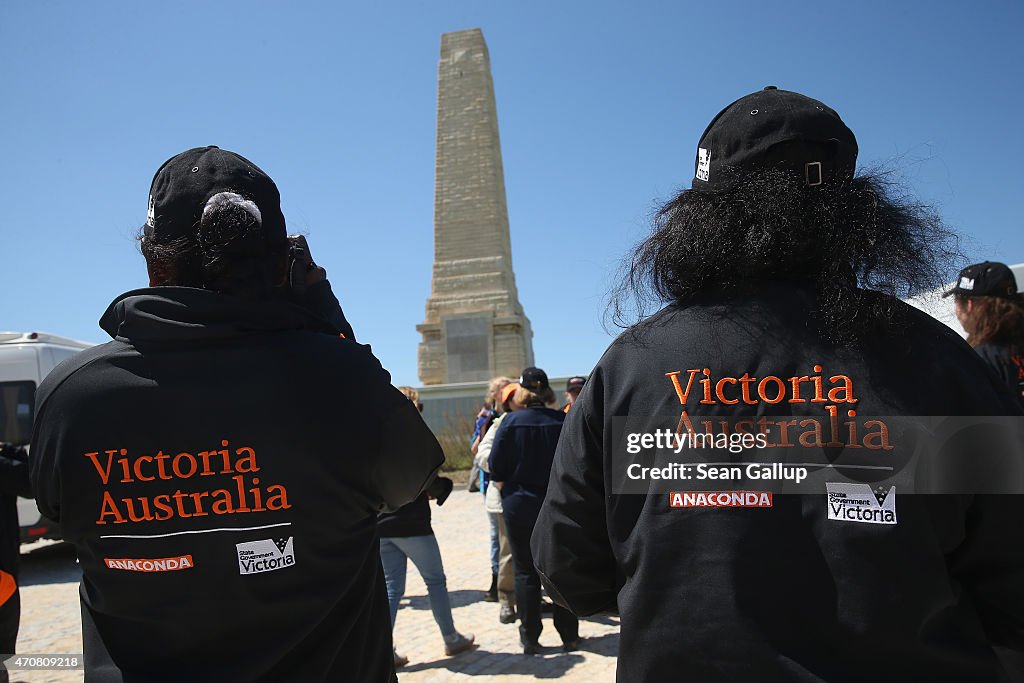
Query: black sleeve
{"points": [[990, 566], [999, 361], [570, 543], [44, 470], [319, 299], [409, 455], [44, 456], [14, 479]]}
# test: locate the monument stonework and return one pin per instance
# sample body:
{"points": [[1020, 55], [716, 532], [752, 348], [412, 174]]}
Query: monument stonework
{"points": [[475, 327]]}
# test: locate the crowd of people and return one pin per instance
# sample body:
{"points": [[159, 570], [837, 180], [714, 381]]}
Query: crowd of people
{"points": [[244, 487]]}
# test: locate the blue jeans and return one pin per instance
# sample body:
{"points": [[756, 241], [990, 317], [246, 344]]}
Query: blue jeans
{"points": [[425, 554], [495, 545]]}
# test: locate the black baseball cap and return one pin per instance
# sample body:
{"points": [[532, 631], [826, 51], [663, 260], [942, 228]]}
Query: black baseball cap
{"points": [[774, 128], [534, 379], [988, 278], [184, 183], [576, 382]]}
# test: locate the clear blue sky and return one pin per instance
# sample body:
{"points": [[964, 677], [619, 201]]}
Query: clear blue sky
{"points": [[600, 106]]}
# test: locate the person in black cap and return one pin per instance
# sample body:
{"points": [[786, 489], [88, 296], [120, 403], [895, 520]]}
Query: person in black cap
{"points": [[777, 275], [573, 387], [520, 463], [220, 464], [991, 311]]}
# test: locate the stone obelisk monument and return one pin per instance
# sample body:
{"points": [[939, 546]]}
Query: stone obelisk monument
{"points": [[475, 327]]}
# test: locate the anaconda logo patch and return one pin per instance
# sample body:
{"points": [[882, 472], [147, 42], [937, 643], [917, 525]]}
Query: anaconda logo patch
{"points": [[163, 564]]}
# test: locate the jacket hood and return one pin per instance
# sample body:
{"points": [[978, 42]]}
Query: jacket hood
{"points": [[186, 313]]}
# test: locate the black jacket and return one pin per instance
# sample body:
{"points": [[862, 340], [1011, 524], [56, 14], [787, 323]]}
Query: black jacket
{"points": [[14, 482], [410, 520], [787, 593], [1007, 365], [219, 468]]}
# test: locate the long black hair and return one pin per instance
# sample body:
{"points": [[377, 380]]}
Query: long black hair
{"points": [[848, 235]]}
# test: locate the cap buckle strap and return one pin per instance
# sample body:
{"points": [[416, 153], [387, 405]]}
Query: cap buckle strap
{"points": [[813, 173]]}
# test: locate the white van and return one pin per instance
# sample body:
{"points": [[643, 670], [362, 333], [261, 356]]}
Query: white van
{"points": [[25, 359]]}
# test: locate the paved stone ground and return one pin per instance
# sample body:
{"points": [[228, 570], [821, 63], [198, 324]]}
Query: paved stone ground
{"points": [[51, 622], [462, 532]]}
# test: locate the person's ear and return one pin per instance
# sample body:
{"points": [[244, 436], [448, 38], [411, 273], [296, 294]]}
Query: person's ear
{"points": [[159, 274]]}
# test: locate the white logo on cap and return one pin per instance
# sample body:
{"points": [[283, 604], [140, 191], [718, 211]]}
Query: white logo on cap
{"points": [[151, 213], [966, 283], [703, 164]]}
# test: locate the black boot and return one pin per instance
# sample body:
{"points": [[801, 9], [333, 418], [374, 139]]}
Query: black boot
{"points": [[492, 592]]}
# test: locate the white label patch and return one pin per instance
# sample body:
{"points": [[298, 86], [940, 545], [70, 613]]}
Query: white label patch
{"points": [[151, 213], [860, 503], [267, 555], [703, 164], [966, 283]]}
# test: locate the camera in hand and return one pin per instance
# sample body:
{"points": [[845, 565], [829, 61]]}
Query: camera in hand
{"points": [[299, 263]]}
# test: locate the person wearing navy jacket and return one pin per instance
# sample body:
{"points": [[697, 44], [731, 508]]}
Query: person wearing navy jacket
{"points": [[520, 464]]}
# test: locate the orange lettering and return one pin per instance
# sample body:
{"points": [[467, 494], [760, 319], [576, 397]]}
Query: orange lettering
{"points": [[846, 389], [721, 394], [138, 468], [109, 507], [707, 400], [878, 440], [104, 473], [816, 380], [678, 387], [795, 381], [176, 468], [784, 432], [812, 438], [746, 380], [250, 458], [780, 393], [278, 501]]}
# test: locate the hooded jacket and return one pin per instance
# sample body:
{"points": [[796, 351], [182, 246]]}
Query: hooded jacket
{"points": [[219, 467], [838, 582]]}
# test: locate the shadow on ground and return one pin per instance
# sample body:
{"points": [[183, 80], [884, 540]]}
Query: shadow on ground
{"points": [[459, 598], [550, 663], [48, 562]]}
